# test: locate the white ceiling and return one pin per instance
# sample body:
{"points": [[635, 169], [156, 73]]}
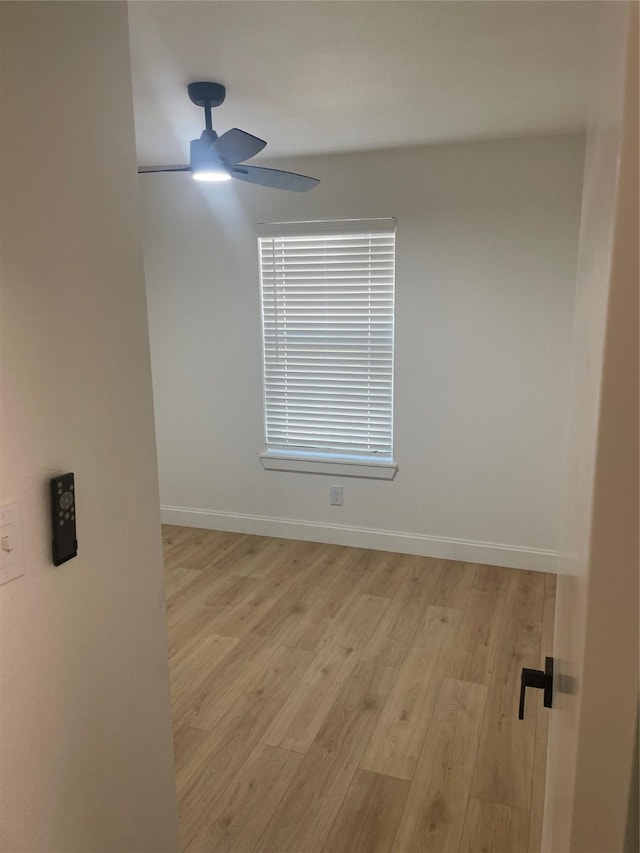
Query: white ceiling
{"points": [[316, 77]]}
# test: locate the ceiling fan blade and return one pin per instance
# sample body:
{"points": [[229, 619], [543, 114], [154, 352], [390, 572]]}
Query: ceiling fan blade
{"points": [[274, 178], [235, 146], [145, 170]]}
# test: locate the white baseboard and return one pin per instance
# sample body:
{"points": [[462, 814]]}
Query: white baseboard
{"points": [[468, 551]]}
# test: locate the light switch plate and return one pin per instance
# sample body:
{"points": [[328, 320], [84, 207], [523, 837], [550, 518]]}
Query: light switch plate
{"points": [[11, 545]]}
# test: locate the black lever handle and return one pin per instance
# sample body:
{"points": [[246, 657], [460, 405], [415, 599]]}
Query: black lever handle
{"points": [[541, 680]]}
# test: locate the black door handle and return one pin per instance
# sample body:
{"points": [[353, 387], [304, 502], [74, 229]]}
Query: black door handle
{"points": [[541, 680]]}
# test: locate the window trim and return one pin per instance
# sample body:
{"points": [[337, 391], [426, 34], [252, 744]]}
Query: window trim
{"points": [[338, 466], [316, 228], [326, 462]]}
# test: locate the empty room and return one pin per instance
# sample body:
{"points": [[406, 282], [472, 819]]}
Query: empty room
{"points": [[319, 427]]}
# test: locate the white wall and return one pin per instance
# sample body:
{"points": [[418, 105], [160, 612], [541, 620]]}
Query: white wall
{"points": [[86, 759], [486, 255]]}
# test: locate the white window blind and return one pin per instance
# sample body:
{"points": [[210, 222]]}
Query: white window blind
{"points": [[328, 315]]}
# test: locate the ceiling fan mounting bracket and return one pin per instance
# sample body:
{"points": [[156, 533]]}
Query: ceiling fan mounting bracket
{"points": [[205, 94]]}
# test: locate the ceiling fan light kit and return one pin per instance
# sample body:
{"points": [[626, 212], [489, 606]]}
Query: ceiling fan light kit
{"points": [[217, 158], [206, 163]]}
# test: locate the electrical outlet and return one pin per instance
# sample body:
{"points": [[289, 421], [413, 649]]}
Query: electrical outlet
{"points": [[335, 495]]}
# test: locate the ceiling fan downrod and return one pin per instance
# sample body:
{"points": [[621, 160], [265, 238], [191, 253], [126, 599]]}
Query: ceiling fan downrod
{"points": [[207, 95]]}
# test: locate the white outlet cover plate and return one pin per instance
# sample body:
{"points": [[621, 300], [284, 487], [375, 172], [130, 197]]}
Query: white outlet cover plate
{"points": [[12, 561], [335, 495]]}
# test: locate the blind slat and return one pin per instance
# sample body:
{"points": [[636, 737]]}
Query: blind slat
{"points": [[327, 315]]}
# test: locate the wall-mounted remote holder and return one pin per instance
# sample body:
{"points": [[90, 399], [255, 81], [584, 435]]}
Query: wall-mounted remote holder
{"points": [[63, 518]]}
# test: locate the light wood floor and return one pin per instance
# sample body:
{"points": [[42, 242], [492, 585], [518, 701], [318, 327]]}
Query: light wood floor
{"points": [[339, 700]]}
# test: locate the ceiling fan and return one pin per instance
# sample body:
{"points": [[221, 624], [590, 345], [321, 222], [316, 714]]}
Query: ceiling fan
{"points": [[218, 158]]}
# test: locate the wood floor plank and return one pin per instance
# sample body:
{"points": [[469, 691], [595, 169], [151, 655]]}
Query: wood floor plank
{"points": [[420, 579], [325, 614], [203, 780], [313, 799], [494, 828], [293, 613], [238, 818], [234, 675], [288, 616], [396, 743], [175, 579], [241, 558], [202, 609], [358, 560], [325, 564], [389, 570], [177, 543], [504, 772], [359, 622], [170, 531], [492, 577], [186, 632], [301, 717], [207, 548], [222, 543], [390, 641], [306, 709], [369, 816], [271, 553], [300, 559], [454, 584], [436, 806], [195, 594], [250, 609], [430, 627], [194, 670], [474, 656], [231, 592], [186, 742]]}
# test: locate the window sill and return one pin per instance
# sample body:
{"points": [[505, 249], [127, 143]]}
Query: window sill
{"points": [[366, 468]]}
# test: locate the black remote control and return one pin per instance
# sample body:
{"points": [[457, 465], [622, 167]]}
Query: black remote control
{"points": [[63, 518]]}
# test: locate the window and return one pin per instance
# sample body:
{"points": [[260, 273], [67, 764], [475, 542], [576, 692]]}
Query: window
{"points": [[327, 319]]}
